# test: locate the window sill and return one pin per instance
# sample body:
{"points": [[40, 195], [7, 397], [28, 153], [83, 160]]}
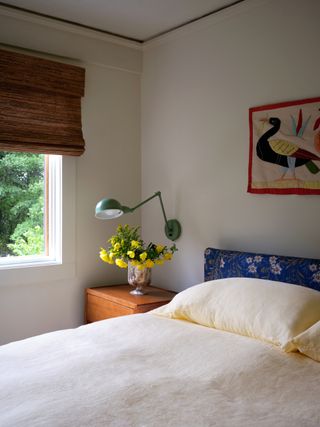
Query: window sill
{"points": [[24, 262]]}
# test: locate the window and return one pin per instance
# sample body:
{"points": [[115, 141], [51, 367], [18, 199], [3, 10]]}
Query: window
{"points": [[40, 106], [30, 209]]}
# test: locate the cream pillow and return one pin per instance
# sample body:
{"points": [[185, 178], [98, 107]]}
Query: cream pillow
{"points": [[271, 311], [308, 342]]}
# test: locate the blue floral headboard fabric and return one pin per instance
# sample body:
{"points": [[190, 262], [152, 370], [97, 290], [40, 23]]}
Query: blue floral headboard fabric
{"points": [[219, 264]]}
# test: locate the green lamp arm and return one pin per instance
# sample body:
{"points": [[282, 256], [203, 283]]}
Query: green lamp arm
{"points": [[172, 227], [158, 193]]}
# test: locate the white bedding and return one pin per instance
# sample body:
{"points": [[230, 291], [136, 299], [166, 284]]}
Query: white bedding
{"points": [[144, 370]]}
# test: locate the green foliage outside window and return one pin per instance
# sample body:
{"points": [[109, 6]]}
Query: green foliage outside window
{"points": [[21, 204]]}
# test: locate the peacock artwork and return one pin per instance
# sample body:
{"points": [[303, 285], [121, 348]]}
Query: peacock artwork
{"points": [[284, 153]]}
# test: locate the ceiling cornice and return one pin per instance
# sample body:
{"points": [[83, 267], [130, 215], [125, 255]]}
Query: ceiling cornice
{"points": [[108, 33], [206, 21], [22, 14]]}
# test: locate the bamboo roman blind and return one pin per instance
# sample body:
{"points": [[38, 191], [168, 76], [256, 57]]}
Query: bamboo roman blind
{"points": [[40, 105]]}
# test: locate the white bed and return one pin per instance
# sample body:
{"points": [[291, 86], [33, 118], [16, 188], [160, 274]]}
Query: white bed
{"points": [[165, 373], [156, 370]]}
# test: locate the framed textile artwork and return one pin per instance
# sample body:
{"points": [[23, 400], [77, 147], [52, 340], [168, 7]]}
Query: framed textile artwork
{"points": [[284, 153]]}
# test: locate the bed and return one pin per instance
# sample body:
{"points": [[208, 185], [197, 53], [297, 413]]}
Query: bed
{"points": [[239, 349]]}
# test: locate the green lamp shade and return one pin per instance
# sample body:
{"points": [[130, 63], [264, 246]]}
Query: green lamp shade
{"points": [[108, 209]]}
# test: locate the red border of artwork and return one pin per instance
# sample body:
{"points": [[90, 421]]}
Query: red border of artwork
{"points": [[275, 190]]}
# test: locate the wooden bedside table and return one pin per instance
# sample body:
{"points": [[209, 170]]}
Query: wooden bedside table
{"points": [[113, 301]]}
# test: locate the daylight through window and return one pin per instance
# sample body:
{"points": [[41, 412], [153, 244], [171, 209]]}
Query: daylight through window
{"points": [[30, 208]]}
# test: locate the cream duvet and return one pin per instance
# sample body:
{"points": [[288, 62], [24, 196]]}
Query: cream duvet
{"points": [[147, 370]]}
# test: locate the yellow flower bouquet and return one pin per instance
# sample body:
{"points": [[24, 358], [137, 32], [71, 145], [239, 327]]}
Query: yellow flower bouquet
{"points": [[127, 246], [127, 250]]}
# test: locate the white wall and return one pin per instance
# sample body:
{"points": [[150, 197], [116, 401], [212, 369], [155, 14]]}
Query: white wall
{"points": [[110, 166], [198, 84]]}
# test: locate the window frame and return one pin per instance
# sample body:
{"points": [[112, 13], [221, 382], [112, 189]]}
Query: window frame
{"points": [[43, 275], [52, 220]]}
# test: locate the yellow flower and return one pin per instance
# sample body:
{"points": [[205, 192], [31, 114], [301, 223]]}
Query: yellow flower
{"points": [[159, 261], [131, 254], [117, 246], [159, 248], [120, 263], [135, 244], [141, 266], [134, 262], [168, 256], [105, 256], [149, 263], [143, 256]]}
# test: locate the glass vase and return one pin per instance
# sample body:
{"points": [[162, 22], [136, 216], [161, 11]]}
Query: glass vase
{"points": [[139, 279]]}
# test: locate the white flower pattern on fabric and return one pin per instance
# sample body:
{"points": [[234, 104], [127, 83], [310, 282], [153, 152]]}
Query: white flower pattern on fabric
{"points": [[258, 258], [252, 268], [276, 269], [249, 260], [273, 260], [222, 263], [316, 277], [313, 267]]}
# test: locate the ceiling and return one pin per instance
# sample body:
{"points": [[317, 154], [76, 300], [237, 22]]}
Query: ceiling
{"points": [[138, 20]]}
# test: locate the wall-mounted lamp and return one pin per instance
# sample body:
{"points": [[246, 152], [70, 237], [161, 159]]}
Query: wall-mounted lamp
{"points": [[111, 208]]}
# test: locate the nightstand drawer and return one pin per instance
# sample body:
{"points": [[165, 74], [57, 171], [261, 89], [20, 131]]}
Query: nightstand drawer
{"points": [[97, 309]]}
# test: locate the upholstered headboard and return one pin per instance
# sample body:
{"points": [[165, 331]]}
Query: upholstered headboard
{"points": [[220, 264]]}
